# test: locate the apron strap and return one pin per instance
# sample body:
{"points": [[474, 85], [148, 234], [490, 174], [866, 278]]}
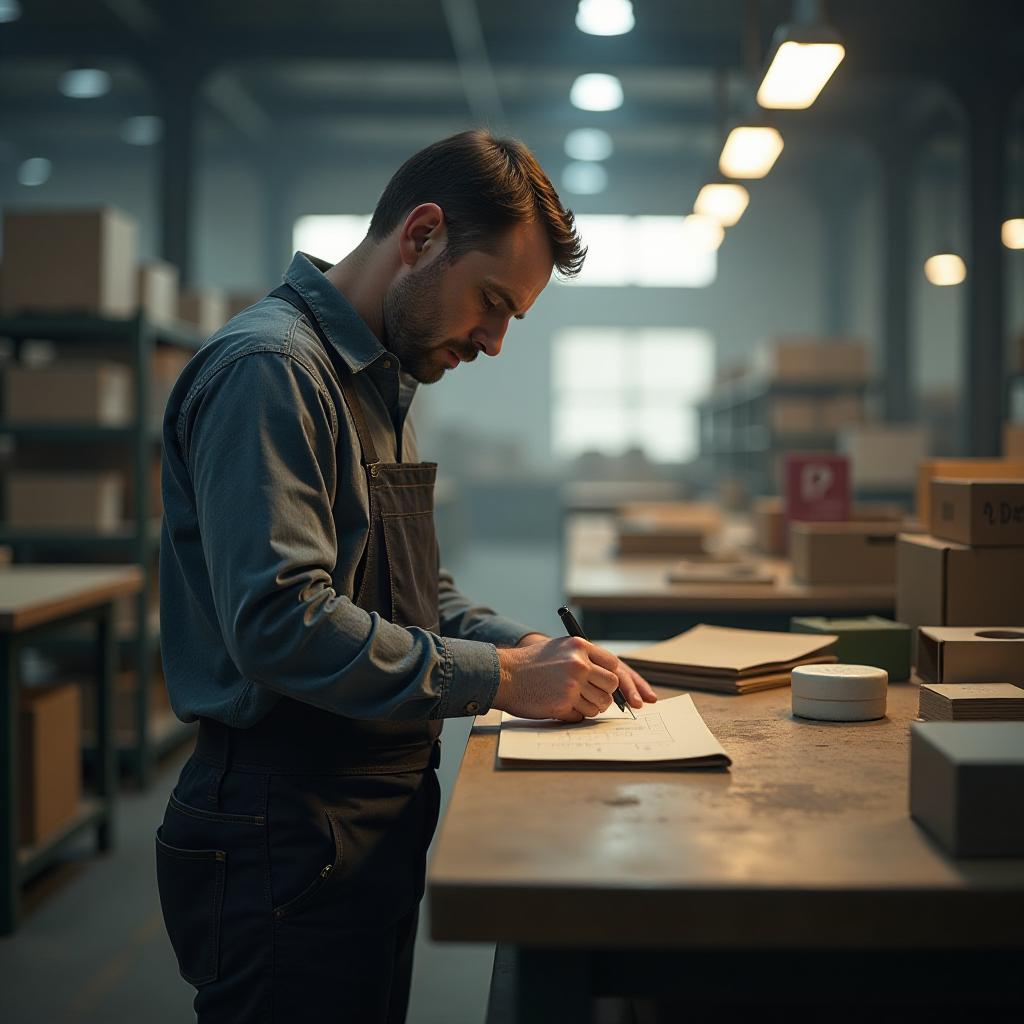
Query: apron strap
{"points": [[366, 445]]}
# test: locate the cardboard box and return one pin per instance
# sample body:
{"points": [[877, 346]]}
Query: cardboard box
{"points": [[817, 487], [51, 760], [843, 552], [961, 469], [65, 501], [978, 512], [971, 654], [840, 412], [1013, 441], [966, 779], [69, 261], [158, 292], [943, 583], [885, 456], [791, 415], [804, 359], [867, 641], [76, 392], [771, 531], [205, 309]]}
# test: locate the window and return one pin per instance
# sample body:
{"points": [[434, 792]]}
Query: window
{"points": [[651, 252], [329, 236], [620, 388]]}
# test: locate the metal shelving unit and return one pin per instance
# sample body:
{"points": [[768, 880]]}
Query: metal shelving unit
{"points": [[132, 340], [738, 435]]}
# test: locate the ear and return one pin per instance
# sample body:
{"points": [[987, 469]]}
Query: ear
{"points": [[423, 234]]}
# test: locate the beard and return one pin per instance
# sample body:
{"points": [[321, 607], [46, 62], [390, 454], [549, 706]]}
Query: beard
{"points": [[412, 324]]}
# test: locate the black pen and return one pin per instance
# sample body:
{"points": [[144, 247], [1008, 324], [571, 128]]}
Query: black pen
{"points": [[572, 627]]}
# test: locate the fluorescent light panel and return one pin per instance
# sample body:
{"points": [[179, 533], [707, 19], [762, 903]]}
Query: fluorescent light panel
{"points": [[596, 92], [34, 171], [584, 178], [723, 202], [750, 151], [588, 144], [797, 74], [605, 17], [85, 83]]}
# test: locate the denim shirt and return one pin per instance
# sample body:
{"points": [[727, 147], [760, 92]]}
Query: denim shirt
{"points": [[266, 516]]}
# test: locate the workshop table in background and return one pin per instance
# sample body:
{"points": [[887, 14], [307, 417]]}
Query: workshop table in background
{"points": [[799, 865], [619, 598], [34, 599]]}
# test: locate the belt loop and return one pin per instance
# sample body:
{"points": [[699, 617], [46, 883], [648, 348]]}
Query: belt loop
{"points": [[222, 768]]}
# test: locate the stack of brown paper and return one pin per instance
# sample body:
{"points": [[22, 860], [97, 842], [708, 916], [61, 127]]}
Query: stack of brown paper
{"points": [[669, 528], [706, 571], [730, 660], [971, 702]]}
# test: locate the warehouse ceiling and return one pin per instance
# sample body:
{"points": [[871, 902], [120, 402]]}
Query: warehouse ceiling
{"points": [[369, 78]]}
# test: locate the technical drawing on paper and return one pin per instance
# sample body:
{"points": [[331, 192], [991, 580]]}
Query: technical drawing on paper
{"points": [[647, 734]]}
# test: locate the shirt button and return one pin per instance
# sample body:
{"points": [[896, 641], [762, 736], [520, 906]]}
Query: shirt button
{"points": [[386, 364], [472, 707]]}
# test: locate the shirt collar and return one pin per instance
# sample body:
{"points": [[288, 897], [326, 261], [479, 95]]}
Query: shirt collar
{"points": [[357, 345]]}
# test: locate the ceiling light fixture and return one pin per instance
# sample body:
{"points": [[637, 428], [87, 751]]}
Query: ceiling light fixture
{"points": [[142, 130], [588, 144], [1013, 233], [605, 17], [750, 151], [596, 92], [585, 179], [945, 269], [85, 83], [802, 58], [722, 201], [34, 171]]}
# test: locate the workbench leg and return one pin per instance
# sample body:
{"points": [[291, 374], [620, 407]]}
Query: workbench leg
{"points": [[552, 987], [10, 770], [106, 751]]}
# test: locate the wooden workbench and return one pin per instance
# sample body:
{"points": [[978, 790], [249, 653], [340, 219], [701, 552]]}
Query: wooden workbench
{"points": [[34, 598], [804, 845], [620, 598]]}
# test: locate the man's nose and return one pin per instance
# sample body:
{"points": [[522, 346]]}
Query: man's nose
{"points": [[488, 342]]}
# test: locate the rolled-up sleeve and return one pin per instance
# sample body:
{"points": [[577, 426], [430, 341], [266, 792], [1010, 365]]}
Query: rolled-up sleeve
{"points": [[259, 439], [460, 617]]}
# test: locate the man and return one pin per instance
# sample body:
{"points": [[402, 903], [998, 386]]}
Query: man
{"points": [[305, 621]]}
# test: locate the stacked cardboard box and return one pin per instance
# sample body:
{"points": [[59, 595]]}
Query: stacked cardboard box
{"points": [[968, 570], [822, 360], [51, 760]]}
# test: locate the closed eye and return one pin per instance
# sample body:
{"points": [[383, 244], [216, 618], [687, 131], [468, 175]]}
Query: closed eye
{"points": [[489, 303]]}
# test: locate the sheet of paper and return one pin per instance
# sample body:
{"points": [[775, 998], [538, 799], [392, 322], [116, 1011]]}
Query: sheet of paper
{"points": [[669, 731]]}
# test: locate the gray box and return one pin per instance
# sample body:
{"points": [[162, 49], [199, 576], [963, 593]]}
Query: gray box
{"points": [[967, 786]]}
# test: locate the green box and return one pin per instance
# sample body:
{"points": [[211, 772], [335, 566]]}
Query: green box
{"points": [[868, 641]]}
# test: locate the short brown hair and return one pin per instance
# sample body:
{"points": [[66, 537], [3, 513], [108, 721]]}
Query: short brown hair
{"points": [[484, 185]]}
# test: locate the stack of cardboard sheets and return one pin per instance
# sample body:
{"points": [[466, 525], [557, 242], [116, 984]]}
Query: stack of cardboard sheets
{"points": [[971, 702], [730, 660]]}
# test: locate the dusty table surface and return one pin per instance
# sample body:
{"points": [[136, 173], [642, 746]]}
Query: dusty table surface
{"points": [[31, 595], [805, 842]]}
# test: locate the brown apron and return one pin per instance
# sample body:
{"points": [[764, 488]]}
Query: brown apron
{"points": [[398, 579]]}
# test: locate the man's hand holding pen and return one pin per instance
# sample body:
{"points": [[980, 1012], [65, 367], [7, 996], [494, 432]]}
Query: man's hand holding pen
{"points": [[569, 679]]}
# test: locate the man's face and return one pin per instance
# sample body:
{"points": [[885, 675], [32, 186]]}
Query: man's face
{"points": [[440, 314]]}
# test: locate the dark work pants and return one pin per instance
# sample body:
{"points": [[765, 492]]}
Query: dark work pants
{"points": [[293, 897]]}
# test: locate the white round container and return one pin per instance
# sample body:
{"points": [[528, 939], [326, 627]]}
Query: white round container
{"points": [[839, 693]]}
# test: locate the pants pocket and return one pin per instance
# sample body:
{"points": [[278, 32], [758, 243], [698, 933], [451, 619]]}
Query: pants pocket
{"points": [[308, 894], [191, 884]]}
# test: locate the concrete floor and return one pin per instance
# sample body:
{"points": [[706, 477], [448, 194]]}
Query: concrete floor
{"points": [[92, 948]]}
